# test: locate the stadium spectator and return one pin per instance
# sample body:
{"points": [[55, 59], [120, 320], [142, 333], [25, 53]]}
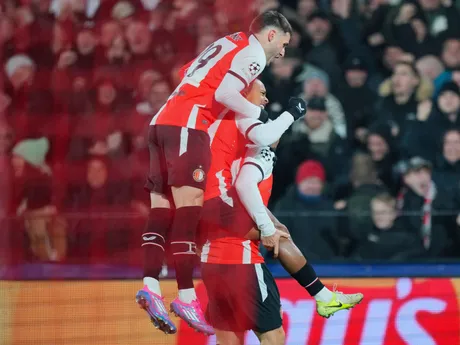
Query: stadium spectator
{"points": [[31, 200], [364, 185], [304, 203], [418, 201], [401, 96], [447, 165], [311, 136], [317, 84], [426, 139], [429, 66], [327, 51], [280, 80], [382, 147], [450, 54], [387, 240], [358, 100], [411, 31]]}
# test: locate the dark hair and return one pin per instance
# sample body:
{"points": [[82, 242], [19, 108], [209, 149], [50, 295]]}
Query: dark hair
{"points": [[270, 18]]}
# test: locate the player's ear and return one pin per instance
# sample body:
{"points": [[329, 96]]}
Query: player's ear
{"points": [[271, 35]]}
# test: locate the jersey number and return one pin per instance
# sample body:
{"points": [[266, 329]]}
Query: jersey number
{"points": [[211, 52]]}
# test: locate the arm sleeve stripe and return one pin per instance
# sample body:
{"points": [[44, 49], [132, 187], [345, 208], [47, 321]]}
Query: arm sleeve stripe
{"points": [[257, 166], [236, 75], [250, 129]]}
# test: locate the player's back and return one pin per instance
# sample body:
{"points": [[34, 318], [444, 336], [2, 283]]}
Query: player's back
{"points": [[228, 146], [192, 104]]}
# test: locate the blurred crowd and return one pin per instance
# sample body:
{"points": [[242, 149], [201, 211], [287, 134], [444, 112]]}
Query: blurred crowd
{"points": [[372, 172]]}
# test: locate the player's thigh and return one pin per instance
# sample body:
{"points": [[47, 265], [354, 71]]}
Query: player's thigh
{"points": [[188, 159], [157, 178], [273, 337], [229, 337], [223, 295], [269, 316]]}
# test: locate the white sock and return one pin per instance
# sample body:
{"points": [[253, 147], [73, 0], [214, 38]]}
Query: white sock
{"points": [[187, 295], [324, 295], [153, 285]]}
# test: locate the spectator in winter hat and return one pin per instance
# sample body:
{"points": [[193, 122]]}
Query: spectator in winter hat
{"points": [[20, 70], [32, 199], [304, 203], [442, 115], [418, 202], [30, 152], [324, 142], [316, 84]]}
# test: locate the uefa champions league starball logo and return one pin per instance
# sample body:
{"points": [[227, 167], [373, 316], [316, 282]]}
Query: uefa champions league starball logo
{"points": [[254, 68]]}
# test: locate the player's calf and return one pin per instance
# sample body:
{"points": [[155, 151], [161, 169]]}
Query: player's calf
{"points": [[153, 242], [183, 248]]}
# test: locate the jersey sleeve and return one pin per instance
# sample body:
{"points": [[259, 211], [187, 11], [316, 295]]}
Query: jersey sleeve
{"points": [[262, 158], [248, 63], [264, 134], [247, 188]]}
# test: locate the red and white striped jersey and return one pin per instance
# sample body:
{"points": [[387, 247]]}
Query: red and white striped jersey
{"points": [[236, 250], [193, 104]]}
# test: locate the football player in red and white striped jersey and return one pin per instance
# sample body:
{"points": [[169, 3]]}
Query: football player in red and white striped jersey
{"points": [[242, 292]]}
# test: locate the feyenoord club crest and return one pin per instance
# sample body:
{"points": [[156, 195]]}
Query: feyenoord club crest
{"points": [[254, 68], [198, 175]]}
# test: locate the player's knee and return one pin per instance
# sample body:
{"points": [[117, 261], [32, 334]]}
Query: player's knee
{"points": [[187, 196], [158, 200], [275, 337]]}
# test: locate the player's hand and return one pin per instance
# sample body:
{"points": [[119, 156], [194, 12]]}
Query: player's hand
{"points": [[273, 242], [297, 107], [263, 117]]}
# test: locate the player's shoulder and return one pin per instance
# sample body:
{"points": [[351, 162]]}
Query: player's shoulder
{"points": [[239, 38], [263, 155]]}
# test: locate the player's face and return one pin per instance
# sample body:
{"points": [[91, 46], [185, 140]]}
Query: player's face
{"points": [[258, 94], [278, 41]]}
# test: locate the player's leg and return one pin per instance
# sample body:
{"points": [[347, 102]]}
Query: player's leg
{"points": [[229, 337], [188, 159], [274, 337], [153, 239], [294, 262], [222, 312], [268, 325]]}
